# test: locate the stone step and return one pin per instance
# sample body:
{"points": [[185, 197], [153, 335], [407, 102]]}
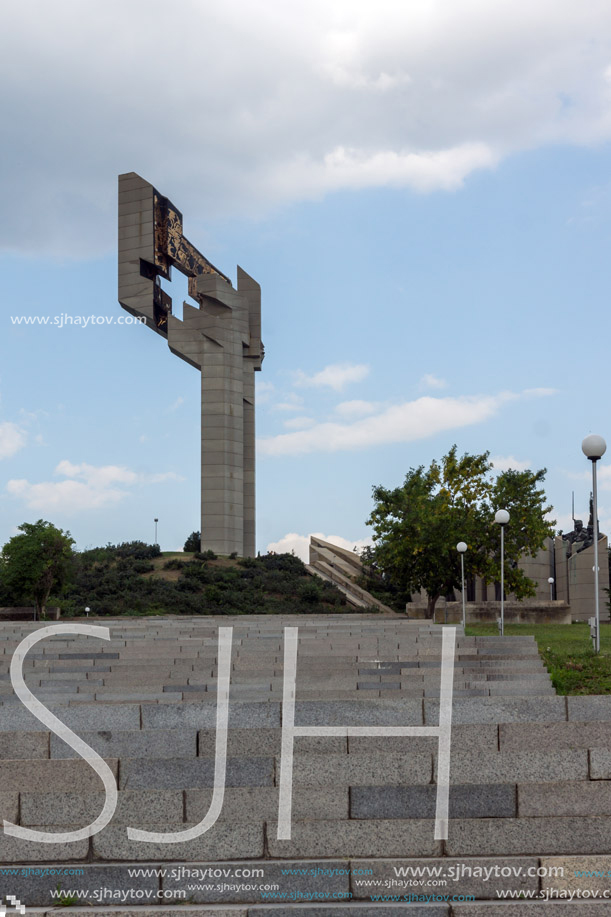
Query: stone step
{"points": [[380, 838], [162, 744], [236, 882], [480, 909]]}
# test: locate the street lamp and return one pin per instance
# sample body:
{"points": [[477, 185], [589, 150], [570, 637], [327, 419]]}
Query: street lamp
{"points": [[594, 447], [502, 518], [155, 521], [551, 588], [461, 547]]}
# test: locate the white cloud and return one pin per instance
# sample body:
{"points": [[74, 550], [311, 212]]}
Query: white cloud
{"points": [[431, 381], [88, 487], [355, 169], [292, 402], [564, 521], [399, 423], [67, 496], [175, 405], [355, 408], [507, 462], [539, 392], [12, 439], [264, 390], [603, 475], [299, 423], [300, 544], [335, 376], [413, 95]]}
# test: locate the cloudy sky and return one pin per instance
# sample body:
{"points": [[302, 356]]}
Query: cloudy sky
{"points": [[422, 189]]}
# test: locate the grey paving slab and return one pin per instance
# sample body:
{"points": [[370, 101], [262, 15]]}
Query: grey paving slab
{"points": [[364, 769], [516, 736], [572, 798], [352, 910], [16, 717], [324, 878], [481, 801], [35, 890], [509, 689], [519, 766], [9, 806], [139, 910], [267, 742], [600, 763], [358, 713], [157, 743], [577, 873], [256, 804], [134, 807], [590, 708], [26, 745], [191, 773], [222, 842], [203, 716], [480, 877], [500, 710], [16, 850], [532, 909], [73, 775], [528, 836], [356, 839], [471, 737]]}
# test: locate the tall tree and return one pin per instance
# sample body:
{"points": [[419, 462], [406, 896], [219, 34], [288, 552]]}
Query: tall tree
{"points": [[417, 526], [35, 562]]}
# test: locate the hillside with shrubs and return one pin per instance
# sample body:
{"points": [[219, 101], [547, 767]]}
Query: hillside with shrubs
{"points": [[134, 578]]}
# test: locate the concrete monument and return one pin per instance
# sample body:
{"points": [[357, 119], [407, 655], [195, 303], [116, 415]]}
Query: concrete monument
{"points": [[221, 337]]}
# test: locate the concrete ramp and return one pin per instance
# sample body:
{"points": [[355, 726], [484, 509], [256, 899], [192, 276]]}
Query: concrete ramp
{"points": [[342, 568]]}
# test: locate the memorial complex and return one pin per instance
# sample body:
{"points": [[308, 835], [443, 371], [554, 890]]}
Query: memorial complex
{"points": [[337, 765]]}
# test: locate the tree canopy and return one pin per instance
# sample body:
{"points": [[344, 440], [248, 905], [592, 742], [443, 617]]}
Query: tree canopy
{"points": [[36, 562], [418, 525]]}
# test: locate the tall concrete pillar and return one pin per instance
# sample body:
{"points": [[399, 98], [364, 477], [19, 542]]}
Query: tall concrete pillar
{"points": [[221, 338]]}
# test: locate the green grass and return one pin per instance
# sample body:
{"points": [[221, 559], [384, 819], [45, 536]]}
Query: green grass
{"points": [[566, 650]]}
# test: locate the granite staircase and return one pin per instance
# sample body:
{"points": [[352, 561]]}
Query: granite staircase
{"points": [[530, 794]]}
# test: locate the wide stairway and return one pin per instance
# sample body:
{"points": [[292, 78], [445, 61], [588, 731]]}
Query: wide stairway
{"points": [[529, 827]]}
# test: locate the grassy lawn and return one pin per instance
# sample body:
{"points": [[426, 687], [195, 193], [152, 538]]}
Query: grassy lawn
{"points": [[566, 650]]}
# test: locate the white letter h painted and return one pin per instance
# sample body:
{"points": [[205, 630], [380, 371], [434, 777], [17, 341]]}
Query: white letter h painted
{"points": [[442, 731]]}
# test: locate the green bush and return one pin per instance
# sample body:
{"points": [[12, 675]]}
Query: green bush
{"points": [[109, 580], [309, 592], [192, 543]]}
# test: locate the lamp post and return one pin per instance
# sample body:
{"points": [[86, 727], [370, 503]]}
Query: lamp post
{"points": [[551, 588], [155, 521], [594, 447], [502, 518], [461, 547]]}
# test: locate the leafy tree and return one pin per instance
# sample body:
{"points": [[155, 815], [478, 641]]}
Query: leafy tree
{"points": [[417, 526], [193, 542], [36, 562]]}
